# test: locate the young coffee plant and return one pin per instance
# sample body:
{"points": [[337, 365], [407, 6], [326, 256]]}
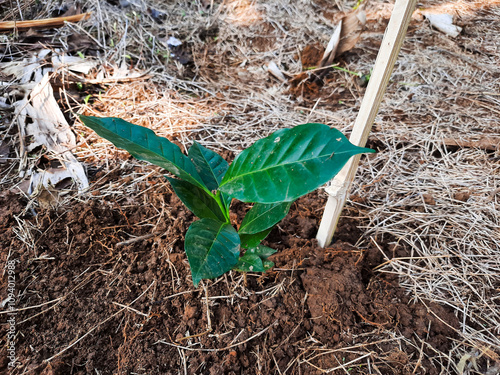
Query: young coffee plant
{"points": [[272, 173]]}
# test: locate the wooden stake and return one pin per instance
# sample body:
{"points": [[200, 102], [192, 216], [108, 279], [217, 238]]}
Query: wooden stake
{"points": [[388, 53]]}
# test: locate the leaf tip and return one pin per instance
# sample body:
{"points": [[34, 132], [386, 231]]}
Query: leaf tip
{"points": [[196, 280], [82, 117]]}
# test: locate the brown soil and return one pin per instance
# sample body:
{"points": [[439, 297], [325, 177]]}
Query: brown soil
{"points": [[77, 275]]}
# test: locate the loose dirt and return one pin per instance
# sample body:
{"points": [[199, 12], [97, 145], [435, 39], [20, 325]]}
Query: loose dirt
{"points": [[102, 280], [101, 293]]}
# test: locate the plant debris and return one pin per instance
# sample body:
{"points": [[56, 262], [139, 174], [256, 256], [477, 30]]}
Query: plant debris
{"points": [[410, 286], [444, 23]]}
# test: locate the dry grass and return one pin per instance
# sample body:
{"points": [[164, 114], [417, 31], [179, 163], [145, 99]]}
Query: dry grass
{"points": [[439, 201]]}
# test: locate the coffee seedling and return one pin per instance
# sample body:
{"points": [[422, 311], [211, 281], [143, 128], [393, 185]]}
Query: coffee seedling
{"points": [[272, 173]]}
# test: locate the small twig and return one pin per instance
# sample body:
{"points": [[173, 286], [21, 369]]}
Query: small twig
{"points": [[217, 350], [45, 23], [135, 239], [31, 307], [209, 321], [193, 336], [344, 365], [131, 309]]}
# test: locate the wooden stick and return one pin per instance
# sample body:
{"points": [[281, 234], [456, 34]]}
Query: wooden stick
{"points": [[388, 53], [45, 23]]}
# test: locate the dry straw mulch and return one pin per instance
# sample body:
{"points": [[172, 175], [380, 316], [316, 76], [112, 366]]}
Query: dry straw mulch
{"points": [[433, 188]]}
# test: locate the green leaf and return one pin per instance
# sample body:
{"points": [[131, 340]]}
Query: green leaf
{"points": [[288, 164], [201, 203], [267, 264], [144, 144], [212, 249], [263, 252], [263, 216], [210, 165], [250, 263], [226, 199], [255, 260], [252, 240]]}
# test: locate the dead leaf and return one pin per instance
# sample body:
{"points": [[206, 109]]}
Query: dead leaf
{"points": [[275, 71], [52, 177], [73, 63], [81, 43], [345, 36], [331, 49], [444, 23], [353, 25], [48, 198], [48, 128], [22, 70], [119, 74]]}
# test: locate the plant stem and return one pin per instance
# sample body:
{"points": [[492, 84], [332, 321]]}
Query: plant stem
{"points": [[225, 211], [347, 71], [334, 66], [357, 5]]}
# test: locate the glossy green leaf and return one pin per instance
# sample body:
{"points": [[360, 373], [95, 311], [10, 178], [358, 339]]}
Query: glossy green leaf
{"points": [[210, 165], [226, 199], [263, 216], [250, 263], [144, 144], [252, 240], [288, 164], [212, 248], [201, 203], [263, 252], [255, 260], [267, 264]]}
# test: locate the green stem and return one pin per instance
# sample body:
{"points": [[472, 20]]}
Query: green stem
{"points": [[347, 71], [334, 66], [357, 5], [225, 211]]}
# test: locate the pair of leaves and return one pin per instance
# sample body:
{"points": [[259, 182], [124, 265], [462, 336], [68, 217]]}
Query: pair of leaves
{"points": [[212, 245], [255, 259], [202, 167], [199, 172], [214, 249], [211, 167], [259, 222]]}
